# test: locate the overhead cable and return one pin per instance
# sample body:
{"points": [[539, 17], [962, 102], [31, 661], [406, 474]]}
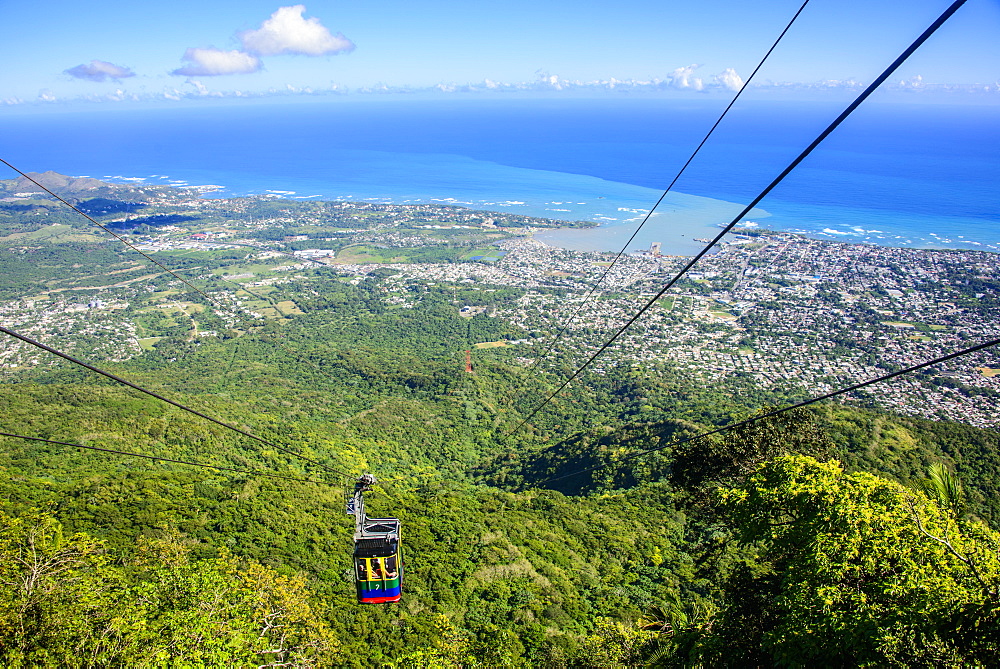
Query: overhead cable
{"points": [[115, 234], [125, 382], [154, 457], [135, 248], [769, 414], [680, 172], [777, 180]]}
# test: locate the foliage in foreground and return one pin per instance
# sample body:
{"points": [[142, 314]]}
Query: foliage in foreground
{"points": [[842, 570], [69, 601], [753, 556]]}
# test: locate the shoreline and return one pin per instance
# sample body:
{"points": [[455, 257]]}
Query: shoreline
{"points": [[680, 219], [746, 236], [546, 238]]}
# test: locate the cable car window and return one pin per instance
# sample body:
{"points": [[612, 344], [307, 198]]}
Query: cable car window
{"points": [[390, 567]]}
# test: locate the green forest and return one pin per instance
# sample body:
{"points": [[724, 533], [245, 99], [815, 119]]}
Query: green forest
{"points": [[838, 535]]}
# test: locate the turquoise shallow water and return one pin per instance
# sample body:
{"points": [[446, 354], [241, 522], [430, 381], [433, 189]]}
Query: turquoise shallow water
{"points": [[895, 175], [615, 206]]}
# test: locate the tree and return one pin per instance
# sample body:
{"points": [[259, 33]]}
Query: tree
{"points": [[615, 644], [942, 486], [740, 450], [851, 570], [58, 597], [679, 629], [68, 602]]}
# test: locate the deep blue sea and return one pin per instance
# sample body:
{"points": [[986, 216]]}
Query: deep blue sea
{"points": [[894, 174]]}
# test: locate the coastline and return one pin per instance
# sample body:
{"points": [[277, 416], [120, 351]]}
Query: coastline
{"points": [[616, 209], [680, 219], [921, 178]]}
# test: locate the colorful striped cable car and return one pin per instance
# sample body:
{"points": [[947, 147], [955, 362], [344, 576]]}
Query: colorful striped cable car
{"points": [[378, 564]]}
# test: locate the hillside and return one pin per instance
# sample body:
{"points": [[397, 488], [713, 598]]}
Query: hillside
{"points": [[551, 545]]}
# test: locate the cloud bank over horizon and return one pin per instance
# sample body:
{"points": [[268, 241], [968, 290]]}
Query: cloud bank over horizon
{"points": [[108, 52], [679, 83]]}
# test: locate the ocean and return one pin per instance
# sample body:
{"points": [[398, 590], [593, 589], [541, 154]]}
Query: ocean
{"points": [[915, 175]]}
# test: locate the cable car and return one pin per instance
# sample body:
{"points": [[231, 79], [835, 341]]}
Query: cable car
{"points": [[378, 565]]}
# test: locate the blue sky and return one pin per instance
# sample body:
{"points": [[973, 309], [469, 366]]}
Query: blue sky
{"points": [[63, 50]]}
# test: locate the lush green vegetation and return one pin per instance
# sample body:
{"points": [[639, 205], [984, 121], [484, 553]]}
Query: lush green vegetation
{"points": [[493, 577], [836, 536]]}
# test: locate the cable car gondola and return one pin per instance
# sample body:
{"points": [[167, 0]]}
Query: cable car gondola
{"points": [[378, 566]]}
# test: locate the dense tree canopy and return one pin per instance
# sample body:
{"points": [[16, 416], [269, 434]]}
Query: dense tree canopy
{"points": [[604, 532], [846, 569], [70, 601]]}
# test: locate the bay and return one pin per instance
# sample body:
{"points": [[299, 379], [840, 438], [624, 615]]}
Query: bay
{"points": [[894, 174]]}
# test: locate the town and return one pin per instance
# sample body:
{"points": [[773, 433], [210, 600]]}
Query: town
{"points": [[781, 313]]}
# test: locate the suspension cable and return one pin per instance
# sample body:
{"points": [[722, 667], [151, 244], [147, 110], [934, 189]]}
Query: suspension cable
{"points": [[154, 457], [134, 386], [775, 412], [576, 312], [115, 235], [777, 180]]}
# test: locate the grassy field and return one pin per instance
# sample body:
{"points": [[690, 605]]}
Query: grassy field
{"points": [[163, 294], [489, 253], [287, 307], [490, 344], [56, 232], [367, 255], [205, 254], [253, 269], [147, 343], [256, 290], [371, 255], [269, 310]]}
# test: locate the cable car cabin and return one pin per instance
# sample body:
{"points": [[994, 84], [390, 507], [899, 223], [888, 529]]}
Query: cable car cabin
{"points": [[377, 562], [378, 565]]}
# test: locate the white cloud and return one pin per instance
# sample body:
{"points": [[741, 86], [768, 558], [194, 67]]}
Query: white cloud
{"points": [[200, 87], [45, 95], [681, 78], [288, 32], [546, 80], [212, 62], [99, 70], [729, 79]]}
